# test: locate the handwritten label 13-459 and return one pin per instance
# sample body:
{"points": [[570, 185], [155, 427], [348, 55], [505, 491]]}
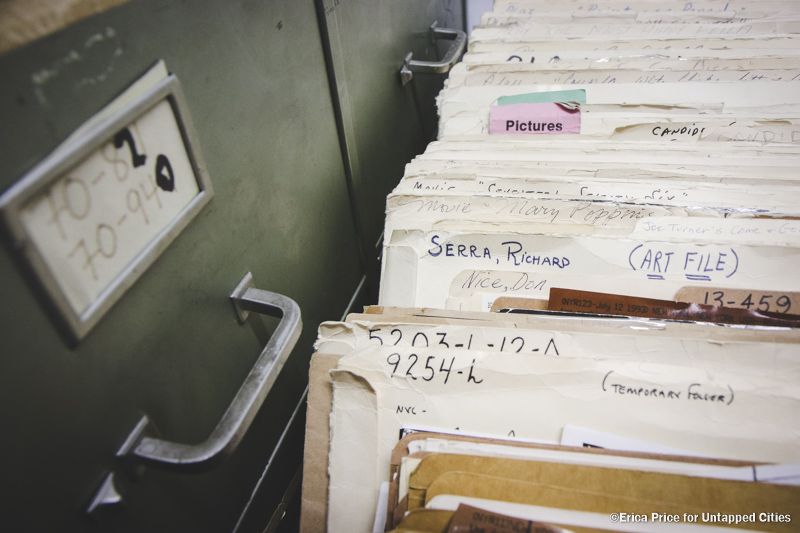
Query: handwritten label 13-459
{"points": [[94, 220]]}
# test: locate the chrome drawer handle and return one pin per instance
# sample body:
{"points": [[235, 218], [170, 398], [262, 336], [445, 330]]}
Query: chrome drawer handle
{"points": [[454, 52], [240, 413]]}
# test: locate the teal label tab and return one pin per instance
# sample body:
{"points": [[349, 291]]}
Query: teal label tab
{"points": [[575, 95]]}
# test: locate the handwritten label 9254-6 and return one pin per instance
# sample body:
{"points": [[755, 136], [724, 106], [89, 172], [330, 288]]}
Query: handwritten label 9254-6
{"points": [[453, 358], [425, 367]]}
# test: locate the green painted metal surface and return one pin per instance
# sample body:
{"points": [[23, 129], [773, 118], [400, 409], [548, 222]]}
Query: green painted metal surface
{"points": [[300, 170], [254, 77], [385, 124]]}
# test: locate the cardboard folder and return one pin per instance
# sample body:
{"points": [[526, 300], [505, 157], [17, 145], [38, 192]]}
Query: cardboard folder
{"points": [[362, 393], [634, 491], [410, 451]]}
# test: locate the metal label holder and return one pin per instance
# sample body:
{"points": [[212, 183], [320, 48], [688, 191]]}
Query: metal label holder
{"points": [[61, 161]]}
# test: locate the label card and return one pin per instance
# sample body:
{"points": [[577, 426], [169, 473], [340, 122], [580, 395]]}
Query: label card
{"points": [[546, 113], [93, 215], [535, 119]]}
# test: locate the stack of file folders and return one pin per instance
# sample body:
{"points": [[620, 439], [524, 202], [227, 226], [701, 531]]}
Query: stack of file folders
{"points": [[589, 293]]}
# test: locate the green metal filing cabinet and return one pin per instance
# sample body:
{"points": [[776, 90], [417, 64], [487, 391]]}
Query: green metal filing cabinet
{"points": [[296, 112]]}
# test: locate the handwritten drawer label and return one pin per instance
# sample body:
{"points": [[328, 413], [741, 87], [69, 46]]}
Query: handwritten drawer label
{"points": [[104, 208], [93, 221]]}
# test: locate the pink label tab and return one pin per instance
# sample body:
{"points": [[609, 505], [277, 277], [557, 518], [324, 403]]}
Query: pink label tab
{"points": [[549, 118]]}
